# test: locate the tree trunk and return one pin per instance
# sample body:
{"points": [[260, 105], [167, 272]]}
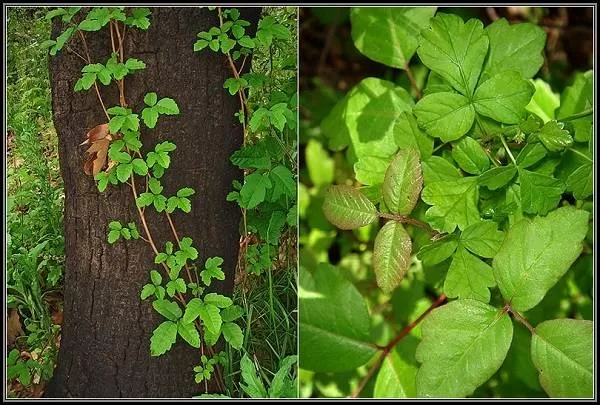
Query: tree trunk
{"points": [[105, 343]]}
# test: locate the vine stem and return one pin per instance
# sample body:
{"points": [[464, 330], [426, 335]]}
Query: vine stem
{"points": [[187, 269], [89, 61], [386, 350], [510, 155], [582, 114], [244, 108], [519, 317], [412, 221], [412, 80]]}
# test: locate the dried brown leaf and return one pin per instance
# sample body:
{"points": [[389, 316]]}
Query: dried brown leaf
{"points": [[96, 158], [13, 327], [95, 134]]}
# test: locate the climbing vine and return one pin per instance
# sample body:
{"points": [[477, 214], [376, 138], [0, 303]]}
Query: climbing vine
{"points": [[267, 195], [180, 288]]}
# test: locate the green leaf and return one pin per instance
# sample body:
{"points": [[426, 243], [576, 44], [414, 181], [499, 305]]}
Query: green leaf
{"points": [[139, 167], [155, 186], [163, 338], [218, 300], [86, 81], [212, 270], [436, 168], [233, 335], [464, 344], [409, 135], [135, 64], [124, 171], [403, 182], [155, 277], [514, 47], [539, 193], [113, 236], [115, 225], [554, 137], [165, 146], [391, 255], [389, 35], [147, 291], [482, 238], [530, 155], [185, 192], [468, 277], [126, 233], [192, 310], [189, 333], [55, 13], [335, 327], [497, 177], [281, 385], [150, 117], [370, 170], [145, 199], [454, 203], [365, 119], [284, 183], [536, 253], [209, 314], [577, 98], [167, 106], [251, 157], [581, 182], [172, 203], [184, 205], [231, 313], [562, 351], [246, 42], [168, 309], [544, 101], [470, 156], [397, 376], [254, 189], [139, 18], [150, 99], [348, 208], [252, 384], [504, 97], [438, 251], [455, 50], [447, 116]]}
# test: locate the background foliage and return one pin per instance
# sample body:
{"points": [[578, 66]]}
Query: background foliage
{"points": [[35, 250]]}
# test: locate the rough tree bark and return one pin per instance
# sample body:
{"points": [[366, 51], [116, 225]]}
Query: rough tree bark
{"points": [[106, 331]]}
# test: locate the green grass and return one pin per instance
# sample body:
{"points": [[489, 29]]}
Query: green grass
{"points": [[35, 256], [268, 290]]}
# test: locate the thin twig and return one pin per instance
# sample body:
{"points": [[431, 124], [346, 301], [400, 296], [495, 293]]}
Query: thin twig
{"points": [[390, 346], [187, 269], [519, 317], [89, 61], [510, 155], [76, 53], [412, 221], [412, 80]]}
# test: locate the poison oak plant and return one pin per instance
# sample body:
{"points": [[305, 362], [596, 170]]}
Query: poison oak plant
{"points": [[483, 184], [181, 294], [267, 195]]}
